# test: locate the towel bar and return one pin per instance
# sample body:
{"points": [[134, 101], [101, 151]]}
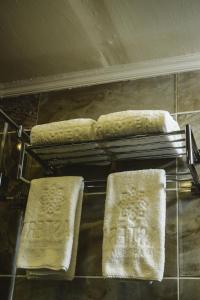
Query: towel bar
{"points": [[169, 145], [89, 183]]}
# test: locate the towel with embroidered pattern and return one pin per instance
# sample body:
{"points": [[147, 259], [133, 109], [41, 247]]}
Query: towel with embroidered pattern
{"points": [[134, 225], [49, 238]]}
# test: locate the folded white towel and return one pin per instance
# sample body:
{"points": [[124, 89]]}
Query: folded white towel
{"points": [[134, 225], [49, 238], [76, 130], [134, 122]]}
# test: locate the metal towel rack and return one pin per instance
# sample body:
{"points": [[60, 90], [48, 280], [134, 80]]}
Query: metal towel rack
{"points": [[104, 152]]}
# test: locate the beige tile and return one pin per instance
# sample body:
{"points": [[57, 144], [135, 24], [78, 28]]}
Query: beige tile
{"points": [[9, 222], [151, 93], [189, 234], [188, 91], [95, 289], [189, 289], [22, 109], [4, 287]]}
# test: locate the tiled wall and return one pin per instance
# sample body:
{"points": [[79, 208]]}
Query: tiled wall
{"points": [[179, 94]]}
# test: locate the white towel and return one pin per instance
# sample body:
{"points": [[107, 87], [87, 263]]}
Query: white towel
{"points": [[134, 122], [137, 122], [134, 225], [76, 130], [49, 239]]}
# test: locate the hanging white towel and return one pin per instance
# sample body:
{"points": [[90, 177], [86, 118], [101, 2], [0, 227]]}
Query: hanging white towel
{"points": [[134, 225], [133, 122], [49, 239], [76, 130]]}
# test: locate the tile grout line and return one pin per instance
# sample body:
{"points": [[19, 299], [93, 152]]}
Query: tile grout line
{"points": [[14, 268], [188, 112], [176, 92], [177, 235], [128, 279], [14, 132], [38, 108], [101, 277], [177, 207], [178, 263]]}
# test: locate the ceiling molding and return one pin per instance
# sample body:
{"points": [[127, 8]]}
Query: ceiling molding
{"points": [[104, 75]]}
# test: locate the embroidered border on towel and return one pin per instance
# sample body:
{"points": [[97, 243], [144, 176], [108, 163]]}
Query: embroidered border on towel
{"points": [[128, 237]]}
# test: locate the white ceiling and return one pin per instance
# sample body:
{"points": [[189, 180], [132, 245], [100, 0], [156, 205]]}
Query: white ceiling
{"points": [[50, 37]]}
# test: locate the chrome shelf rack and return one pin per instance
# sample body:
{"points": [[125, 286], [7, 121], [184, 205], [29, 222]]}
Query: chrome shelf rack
{"points": [[104, 152]]}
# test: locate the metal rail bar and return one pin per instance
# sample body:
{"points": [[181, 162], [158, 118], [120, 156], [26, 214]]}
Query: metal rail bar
{"points": [[65, 155], [3, 141], [195, 148], [114, 139], [190, 155], [2, 149], [6, 118]]}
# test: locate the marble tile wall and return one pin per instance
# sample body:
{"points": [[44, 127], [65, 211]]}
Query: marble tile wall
{"points": [[151, 93], [179, 94], [95, 289], [22, 109]]}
